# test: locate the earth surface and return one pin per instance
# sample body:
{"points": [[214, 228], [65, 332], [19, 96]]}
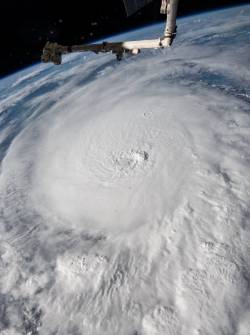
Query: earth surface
{"points": [[125, 188]]}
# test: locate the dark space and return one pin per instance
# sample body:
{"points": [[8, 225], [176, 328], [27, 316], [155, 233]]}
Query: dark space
{"points": [[26, 25]]}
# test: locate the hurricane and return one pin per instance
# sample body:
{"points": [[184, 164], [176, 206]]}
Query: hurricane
{"points": [[125, 188]]}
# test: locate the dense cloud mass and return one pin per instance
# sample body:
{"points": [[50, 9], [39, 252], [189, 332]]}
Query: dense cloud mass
{"points": [[124, 188]]}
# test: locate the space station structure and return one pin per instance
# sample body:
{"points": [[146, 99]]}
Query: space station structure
{"points": [[53, 52], [168, 7]]}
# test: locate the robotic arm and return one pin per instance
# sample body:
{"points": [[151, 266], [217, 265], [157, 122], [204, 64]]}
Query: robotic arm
{"points": [[169, 7], [53, 52]]}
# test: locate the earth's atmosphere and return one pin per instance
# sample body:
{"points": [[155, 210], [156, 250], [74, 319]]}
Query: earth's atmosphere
{"points": [[125, 188]]}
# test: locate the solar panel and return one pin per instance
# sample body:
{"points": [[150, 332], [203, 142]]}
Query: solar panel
{"points": [[133, 6]]}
